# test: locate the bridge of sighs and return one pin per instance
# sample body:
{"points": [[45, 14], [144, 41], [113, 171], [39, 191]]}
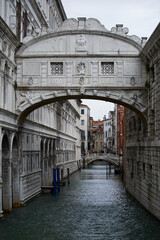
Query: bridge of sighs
{"points": [[81, 60]]}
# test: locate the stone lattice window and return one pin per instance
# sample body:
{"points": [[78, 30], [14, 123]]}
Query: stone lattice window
{"points": [[56, 68], [107, 68]]}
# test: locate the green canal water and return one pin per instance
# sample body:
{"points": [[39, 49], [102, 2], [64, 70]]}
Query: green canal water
{"points": [[91, 207]]}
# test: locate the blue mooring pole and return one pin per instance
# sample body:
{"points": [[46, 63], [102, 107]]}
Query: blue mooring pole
{"points": [[54, 181], [58, 179]]}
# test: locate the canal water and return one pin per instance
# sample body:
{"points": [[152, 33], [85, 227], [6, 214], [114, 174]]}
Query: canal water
{"points": [[93, 207]]}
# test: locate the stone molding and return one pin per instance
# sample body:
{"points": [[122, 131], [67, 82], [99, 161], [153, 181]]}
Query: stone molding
{"points": [[73, 26]]}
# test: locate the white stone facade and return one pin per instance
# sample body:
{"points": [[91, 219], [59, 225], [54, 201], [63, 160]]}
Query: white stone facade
{"points": [[81, 60], [142, 166], [50, 135], [85, 115], [107, 128]]}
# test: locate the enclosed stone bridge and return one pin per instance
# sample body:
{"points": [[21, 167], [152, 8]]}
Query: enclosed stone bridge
{"points": [[81, 60], [109, 158]]}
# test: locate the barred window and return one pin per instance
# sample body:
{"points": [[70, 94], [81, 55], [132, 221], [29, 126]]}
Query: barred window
{"points": [[56, 68], [107, 68]]}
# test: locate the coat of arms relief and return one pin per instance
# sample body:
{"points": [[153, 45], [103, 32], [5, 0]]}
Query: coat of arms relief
{"points": [[81, 70]]}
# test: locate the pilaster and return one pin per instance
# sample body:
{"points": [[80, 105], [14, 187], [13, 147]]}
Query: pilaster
{"points": [[1, 211]]}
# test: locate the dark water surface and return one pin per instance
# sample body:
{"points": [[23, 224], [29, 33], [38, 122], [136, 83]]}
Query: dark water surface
{"points": [[91, 207]]}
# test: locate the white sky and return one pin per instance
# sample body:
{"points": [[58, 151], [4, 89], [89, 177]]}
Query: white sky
{"points": [[140, 16]]}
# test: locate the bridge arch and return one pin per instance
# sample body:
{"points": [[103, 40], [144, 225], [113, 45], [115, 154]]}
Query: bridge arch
{"points": [[81, 60], [109, 158]]}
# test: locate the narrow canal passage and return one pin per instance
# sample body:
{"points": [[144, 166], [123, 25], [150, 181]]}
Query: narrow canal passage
{"points": [[91, 207]]}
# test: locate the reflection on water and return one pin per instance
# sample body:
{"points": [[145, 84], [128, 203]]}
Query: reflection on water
{"points": [[92, 207]]}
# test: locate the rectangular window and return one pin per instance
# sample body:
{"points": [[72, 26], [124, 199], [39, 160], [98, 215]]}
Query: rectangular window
{"points": [[106, 134], [82, 122], [138, 169], [132, 168], [82, 111], [56, 68], [82, 135], [107, 68], [144, 171]]}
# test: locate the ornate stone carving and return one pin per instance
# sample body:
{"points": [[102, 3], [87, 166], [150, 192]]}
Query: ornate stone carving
{"points": [[42, 97], [94, 24], [120, 30], [26, 97], [108, 94], [69, 24], [136, 100], [81, 40], [120, 97], [132, 81], [95, 92], [55, 93], [82, 23], [4, 46], [68, 92], [81, 68], [30, 81], [81, 80], [82, 90]]}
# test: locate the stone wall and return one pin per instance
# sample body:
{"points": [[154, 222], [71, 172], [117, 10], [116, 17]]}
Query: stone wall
{"points": [[142, 156]]}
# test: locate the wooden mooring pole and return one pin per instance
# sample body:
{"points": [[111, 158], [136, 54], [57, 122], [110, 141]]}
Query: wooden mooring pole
{"points": [[62, 177], [54, 181], [58, 179], [68, 176]]}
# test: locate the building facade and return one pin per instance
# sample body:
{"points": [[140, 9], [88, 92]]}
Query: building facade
{"points": [[107, 126], [142, 154], [120, 114], [98, 136], [85, 122], [109, 132], [50, 135]]}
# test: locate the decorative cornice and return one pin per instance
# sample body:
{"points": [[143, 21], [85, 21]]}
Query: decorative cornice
{"points": [[61, 9], [8, 32], [152, 46], [38, 13], [75, 32]]}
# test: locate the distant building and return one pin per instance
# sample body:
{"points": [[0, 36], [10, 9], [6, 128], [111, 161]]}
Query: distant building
{"points": [[108, 126], [84, 126], [90, 135], [98, 136], [119, 132]]}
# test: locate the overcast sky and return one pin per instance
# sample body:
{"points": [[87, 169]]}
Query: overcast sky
{"points": [[140, 16]]}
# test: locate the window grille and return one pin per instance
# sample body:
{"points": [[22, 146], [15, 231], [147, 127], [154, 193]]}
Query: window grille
{"points": [[107, 68], [56, 68]]}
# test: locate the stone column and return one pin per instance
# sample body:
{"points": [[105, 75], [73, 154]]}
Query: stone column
{"points": [[43, 167], [69, 73], [94, 72], [1, 211], [10, 180]]}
